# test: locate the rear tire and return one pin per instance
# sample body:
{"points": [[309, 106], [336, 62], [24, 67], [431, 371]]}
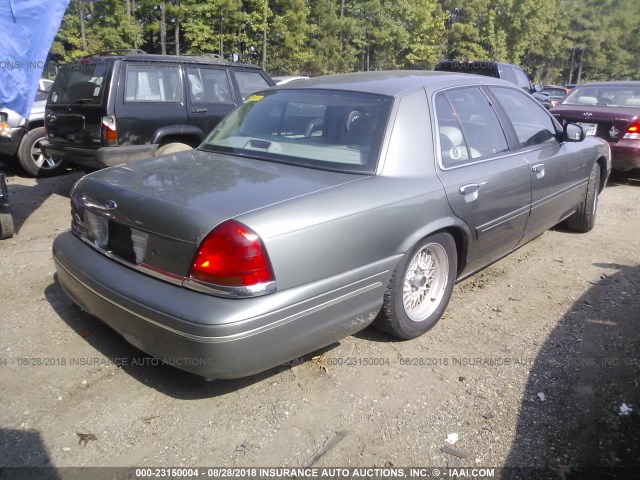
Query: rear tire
{"points": [[420, 288], [33, 160], [172, 148], [6, 224], [584, 218]]}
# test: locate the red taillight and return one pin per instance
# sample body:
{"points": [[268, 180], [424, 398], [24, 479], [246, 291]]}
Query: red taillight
{"points": [[633, 132], [109, 131], [232, 255]]}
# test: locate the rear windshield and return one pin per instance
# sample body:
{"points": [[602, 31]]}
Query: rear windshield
{"points": [[605, 95], [332, 130], [80, 83]]}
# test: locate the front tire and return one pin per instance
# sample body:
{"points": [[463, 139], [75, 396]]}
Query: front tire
{"points": [[420, 288], [33, 160], [584, 218], [6, 224]]}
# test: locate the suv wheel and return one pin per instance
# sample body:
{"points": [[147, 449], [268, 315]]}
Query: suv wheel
{"points": [[172, 148], [33, 160]]}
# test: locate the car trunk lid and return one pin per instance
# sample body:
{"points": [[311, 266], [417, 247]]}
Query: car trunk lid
{"points": [[157, 211], [602, 122]]}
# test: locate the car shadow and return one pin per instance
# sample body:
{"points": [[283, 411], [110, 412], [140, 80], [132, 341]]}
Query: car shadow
{"points": [[25, 200], [146, 369], [23, 455], [580, 412], [618, 178]]}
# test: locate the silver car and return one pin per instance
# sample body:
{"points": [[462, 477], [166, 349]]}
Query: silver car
{"points": [[315, 209]]}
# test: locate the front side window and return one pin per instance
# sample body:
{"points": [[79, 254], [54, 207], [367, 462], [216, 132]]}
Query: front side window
{"points": [[82, 83], [522, 80], [480, 128], [531, 122], [331, 130], [249, 82], [153, 83]]}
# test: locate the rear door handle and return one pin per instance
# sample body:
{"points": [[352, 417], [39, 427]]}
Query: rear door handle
{"points": [[470, 192], [470, 188], [538, 170], [199, 110]]}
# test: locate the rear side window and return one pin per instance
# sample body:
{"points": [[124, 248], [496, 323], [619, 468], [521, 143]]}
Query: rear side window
{"points": [[522, 80], [208, 85], [249, 82], [480, 133], [507, 73], [80, 83], [153, 83], [531, 122]]}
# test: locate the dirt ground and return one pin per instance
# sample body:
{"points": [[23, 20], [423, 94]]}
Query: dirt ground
{"points": [[535, 364]]}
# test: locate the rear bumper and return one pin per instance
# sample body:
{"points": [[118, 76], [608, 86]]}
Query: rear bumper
{"points": [[625, 154], [101, 157], [206, 335]]}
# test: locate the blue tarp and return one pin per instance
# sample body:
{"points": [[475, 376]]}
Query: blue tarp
{"points": [[27, 30]]}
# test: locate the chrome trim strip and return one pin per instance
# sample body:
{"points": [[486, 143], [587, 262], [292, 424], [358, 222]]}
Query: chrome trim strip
{"points": [[237, 336], [175, 280], [482, 229], [232, 292], [187, 282], [549, 198]]}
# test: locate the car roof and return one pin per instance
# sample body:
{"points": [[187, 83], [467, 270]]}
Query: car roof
{"points": [[616, 83], [211, 59], [395, 82]]}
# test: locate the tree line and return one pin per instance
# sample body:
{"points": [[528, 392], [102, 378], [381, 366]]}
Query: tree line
{"points": [[556, 41]]}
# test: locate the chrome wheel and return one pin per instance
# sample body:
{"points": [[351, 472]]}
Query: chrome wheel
{"points": [[425, 282], [40, 160]]}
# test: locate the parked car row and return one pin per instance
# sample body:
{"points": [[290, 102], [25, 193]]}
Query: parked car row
{"points": [[243, 231]]}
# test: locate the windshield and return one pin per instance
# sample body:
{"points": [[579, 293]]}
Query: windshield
{"points": [[80, 83], [325, 129], [605, 95], [554, 92]]}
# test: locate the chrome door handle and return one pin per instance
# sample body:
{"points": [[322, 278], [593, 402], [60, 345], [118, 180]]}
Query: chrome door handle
{"points": [[470, 188], [538, 170], [199, 110]]}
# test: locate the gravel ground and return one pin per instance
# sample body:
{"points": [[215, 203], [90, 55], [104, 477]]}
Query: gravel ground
{"points": [[535, 364]]}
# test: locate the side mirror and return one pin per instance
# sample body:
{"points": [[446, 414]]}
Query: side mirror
{"points": [[538, 87], [573, 132]]}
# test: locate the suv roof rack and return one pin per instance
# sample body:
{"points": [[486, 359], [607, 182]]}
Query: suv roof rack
{"points": [[121, 51]]}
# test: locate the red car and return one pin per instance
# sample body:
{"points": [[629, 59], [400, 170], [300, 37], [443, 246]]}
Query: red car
{"points": [[611, 111], [556, 93]]}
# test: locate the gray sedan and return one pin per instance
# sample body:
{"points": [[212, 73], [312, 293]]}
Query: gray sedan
{"points": [[318, 208]]}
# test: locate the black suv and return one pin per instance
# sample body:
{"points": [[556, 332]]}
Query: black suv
{"points": [[505, 71], [106, 109]]}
